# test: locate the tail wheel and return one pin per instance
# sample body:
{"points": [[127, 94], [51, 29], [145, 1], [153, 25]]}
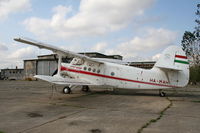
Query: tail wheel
{"points": [[85, 88], [67, 90]]}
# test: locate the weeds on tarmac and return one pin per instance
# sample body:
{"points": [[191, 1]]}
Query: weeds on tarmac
{"points": [[196, 101], [156, 119]]}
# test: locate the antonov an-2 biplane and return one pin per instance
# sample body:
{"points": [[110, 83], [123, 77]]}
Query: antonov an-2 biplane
{"points": [[170, 71]]}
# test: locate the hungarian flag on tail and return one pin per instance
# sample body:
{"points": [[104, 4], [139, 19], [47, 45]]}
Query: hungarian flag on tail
{"points": [[181, 59]]}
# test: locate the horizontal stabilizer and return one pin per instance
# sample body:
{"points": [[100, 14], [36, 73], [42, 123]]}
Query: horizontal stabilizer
{"points": [[170, 68]]}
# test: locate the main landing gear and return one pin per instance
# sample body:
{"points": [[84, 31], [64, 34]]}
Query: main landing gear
{"points": [[67, 90], [161, 93], [85, 88]]}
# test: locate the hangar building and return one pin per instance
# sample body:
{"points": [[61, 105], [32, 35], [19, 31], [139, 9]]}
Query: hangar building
{"points": [[145, 65], [47, 64]]}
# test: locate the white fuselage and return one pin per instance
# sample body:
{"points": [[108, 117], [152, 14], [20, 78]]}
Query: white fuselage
{"points": [[171, 70], [121, 76]]}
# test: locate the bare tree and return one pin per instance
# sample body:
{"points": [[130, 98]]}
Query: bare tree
{"points": [[191, 42]]}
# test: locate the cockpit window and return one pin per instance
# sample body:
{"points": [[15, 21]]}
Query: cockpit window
{"points": [[77, 61]]}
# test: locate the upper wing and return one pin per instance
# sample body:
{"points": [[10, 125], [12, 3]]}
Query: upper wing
{"points": [[55, 49], [62, 81]]}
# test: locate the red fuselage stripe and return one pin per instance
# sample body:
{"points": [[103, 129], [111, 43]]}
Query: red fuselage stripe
{"points": [[180, 56], [111, 77]]}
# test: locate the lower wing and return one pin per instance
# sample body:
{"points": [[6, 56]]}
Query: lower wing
{"points": [[56, 79]]}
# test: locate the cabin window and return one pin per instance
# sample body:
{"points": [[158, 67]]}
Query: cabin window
{"points": [[89, 69], [85, 68], [94, 70], [112, 73], [98, 71]]}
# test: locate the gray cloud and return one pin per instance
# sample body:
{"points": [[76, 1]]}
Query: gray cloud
{"points": [[3, 47]]}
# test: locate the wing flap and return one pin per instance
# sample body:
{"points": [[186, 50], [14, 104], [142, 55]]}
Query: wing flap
{"points": [[56, 79]]}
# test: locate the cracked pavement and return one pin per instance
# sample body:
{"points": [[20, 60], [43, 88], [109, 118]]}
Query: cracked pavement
{"points": [[25, 107]]}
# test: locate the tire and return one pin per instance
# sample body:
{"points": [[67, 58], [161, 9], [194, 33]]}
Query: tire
{"points": [[67, 90]]}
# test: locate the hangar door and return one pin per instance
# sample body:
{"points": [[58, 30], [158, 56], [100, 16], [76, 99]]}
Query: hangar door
{"points": [[46, 67]]}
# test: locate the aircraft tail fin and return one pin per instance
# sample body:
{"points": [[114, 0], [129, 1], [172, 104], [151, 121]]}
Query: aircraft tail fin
{"points": [[175, 63]]}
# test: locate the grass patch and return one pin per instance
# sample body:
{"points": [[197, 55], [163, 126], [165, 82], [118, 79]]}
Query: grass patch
{"points": [[70, 105], [2, 132], [196, 101], [77, 106], [156, 119]]}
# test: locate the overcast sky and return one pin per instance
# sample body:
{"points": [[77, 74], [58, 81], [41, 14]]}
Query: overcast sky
{"points": [[135, 29]]}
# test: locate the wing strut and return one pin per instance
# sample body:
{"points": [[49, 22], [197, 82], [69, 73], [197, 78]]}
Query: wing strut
{"points": [[59, 64]]}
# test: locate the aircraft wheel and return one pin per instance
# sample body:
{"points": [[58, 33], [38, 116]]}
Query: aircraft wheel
{"points": [[162, 94], [67, 90], [85, 88]]}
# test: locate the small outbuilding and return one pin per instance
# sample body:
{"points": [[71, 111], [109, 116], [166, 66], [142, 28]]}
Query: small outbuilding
{"points": [[144, 64], [12, 74]]}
